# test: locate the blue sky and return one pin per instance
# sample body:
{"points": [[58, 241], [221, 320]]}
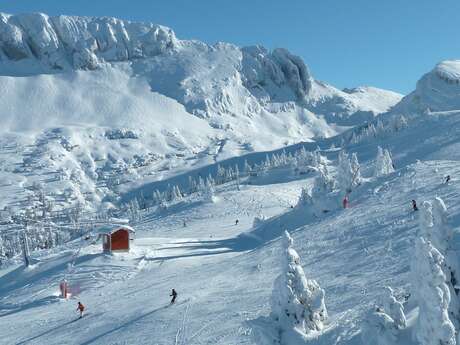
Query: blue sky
{"points": [[347, 43]]}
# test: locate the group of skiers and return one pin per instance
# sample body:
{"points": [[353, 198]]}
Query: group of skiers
{"points": [[414, 203], [81, 307]]}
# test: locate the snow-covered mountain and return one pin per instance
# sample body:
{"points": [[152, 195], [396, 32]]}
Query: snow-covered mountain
{"points": [[215, 82], [117, 117], [437, 90], [84, 96]]}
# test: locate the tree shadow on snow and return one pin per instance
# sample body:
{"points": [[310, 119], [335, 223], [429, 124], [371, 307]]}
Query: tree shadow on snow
{"points": [[126, 324], [22, 276], [13, 309], [267, 231]]}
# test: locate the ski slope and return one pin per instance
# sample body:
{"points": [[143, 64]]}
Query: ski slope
{"points": [[224, 272], [99, 111]]}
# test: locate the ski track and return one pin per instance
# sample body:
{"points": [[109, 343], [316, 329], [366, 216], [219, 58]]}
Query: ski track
{"points": [[225, 279]]}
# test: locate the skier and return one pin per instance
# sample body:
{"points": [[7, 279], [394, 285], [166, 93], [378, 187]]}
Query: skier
{"points": [[81, 308], [414, 205], [447, 179], [345, 201], [236, 222], [173, 295]]}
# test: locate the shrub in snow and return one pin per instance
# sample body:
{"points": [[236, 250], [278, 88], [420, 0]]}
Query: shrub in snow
{"points": [[434, 326], [304, 198], [297, 302], [394, 308], [208, 194], [321, 196], [258, 221], [378, 328], [383, 163], [382, 324]]}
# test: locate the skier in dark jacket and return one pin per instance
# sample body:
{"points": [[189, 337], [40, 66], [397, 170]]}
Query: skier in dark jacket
{"points": [[447, 179], [173, 295], [414, 205], [80, 308]]}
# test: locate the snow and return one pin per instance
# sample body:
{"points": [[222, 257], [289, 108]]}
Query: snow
{"points": [[136, 110], [224, 272], [436, 91]]}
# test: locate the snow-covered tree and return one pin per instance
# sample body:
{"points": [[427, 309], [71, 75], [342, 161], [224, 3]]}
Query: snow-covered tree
{"points": [[157, 197], [247, 169], [192, 187], [378, 328], [25, 249], [208, 194], [348, 172], [297, 302], [435, 228], [383, 163], [443, 233], [320, 196], [2, 250], [305, 198], [434, 326], [258, 220], [356, 169], [394, 308], [237, 177], [220, 174]]}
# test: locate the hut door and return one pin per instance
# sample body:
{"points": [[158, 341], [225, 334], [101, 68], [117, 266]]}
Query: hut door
{"points": [[106, 243]]}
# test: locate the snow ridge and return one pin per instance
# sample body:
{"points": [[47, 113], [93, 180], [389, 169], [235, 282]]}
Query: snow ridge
{"points": [[64, 42]]}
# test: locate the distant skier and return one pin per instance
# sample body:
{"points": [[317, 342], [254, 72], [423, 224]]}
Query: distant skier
{"points": [[236, 222], [414, 205], [184, 224], [173, 295], [447, 179], [81, 308], [345, 202]]}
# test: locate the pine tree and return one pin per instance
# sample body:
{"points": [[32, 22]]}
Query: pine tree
{"points": [[434, 326], [305, 198], [394, 308], [25, 249], [192, 185], [383, 163], [356, 169], [247, 168], [220, 179], [344, 173], [435, 228], [297, 302], [237, 177]]}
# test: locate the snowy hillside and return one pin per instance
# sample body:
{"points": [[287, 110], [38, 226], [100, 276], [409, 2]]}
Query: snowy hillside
{"points": [[282, 210], [85, 99], [210, 81], [225, 273], [437, 90]]}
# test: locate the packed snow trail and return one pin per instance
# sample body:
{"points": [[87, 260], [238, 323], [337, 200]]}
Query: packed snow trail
{"points": [[227, 271]]}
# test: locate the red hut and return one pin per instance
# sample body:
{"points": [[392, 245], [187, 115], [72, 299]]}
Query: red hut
{"points": [[116, 238]]}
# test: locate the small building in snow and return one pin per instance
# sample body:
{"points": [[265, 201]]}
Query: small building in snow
{"points": [[116, 238]]}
